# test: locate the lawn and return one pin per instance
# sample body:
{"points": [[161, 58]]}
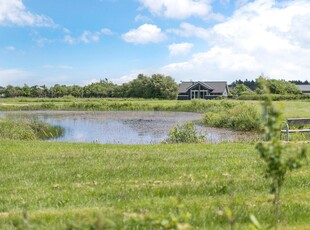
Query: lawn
{"points": [[46, 185], [79, 186]]}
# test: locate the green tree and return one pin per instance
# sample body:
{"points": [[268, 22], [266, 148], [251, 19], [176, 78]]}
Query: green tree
{"points": [[156, 86], [2, 90], [121, 90], [240, 89], [140, 87], [45, 91], [76, 91], [59, 90], [36, 91], [275, 86], [26, 92], [279, 158], [103, 88], [11, 91], [164, 87]]}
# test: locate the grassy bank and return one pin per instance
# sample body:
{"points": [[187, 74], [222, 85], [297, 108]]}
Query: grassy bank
{"points": [[290, 108], [22, 129], [77, 186], [101, 104]]}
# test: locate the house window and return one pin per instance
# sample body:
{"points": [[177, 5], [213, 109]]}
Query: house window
{"points": [[196, 94]]}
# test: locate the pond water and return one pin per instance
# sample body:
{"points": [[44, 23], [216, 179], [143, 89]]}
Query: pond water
{"points": [[120, 127]]}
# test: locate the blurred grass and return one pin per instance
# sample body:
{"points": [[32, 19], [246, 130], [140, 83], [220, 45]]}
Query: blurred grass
{"points": [[66, 185]]}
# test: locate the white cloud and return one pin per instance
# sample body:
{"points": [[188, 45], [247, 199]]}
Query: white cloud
{"points": [[261, 37], [106, 31], [300, 31], [52, 80], [179, 9], [125, 78], [189, 30], [142, 18], [90, 81], [146, 33], [14, 12], [86, 36], [216, 64], [13, 76], [177, 49], [64, 67], [240, 3]]}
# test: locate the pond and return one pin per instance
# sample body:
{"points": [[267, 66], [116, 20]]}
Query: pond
{"points": [[121, 127]]}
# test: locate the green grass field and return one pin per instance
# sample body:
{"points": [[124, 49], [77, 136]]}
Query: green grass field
{"points": [[47, 185], [289, 108], [80, 186]]}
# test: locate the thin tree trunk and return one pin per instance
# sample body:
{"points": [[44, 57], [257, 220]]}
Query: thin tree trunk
{"points": [[277, 207]]}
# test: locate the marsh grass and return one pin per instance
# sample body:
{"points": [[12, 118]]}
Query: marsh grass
{"points": [[21, 129], [75, 186], [290, 108], [107, 104], [241, 117]]}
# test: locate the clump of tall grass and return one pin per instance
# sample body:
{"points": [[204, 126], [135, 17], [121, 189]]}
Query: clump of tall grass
{"points": [[44, 131], [184, 133], [28, 130], [242, 117]]}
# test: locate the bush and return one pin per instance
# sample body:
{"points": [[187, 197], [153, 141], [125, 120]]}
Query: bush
{"points": [[185, 133], [240, 117]]}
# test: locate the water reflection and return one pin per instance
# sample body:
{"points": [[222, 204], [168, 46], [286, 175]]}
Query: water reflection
{"points": [[119, 127]]}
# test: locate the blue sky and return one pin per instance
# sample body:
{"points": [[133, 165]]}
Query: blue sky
{"points": [[83, 41]]}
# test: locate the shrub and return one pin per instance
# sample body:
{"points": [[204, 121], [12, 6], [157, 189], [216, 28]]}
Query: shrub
{"points": [[185, 133], [238, 117]]}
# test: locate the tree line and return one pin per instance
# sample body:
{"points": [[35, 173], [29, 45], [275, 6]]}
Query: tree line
{"points": [[156, 86], [253, 84], [261, 85]]}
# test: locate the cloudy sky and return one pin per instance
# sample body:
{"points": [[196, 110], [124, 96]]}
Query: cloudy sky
{"points": [[81, 41]]}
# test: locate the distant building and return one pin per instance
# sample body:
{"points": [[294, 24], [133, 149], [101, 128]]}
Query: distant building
{"points": [[202, 89], [305, 89]]}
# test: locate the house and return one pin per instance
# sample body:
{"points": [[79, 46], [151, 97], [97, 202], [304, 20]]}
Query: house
{"points": [[305, 89], [202, 89]]}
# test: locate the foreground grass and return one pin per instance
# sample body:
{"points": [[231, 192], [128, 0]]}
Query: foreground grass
{"points": [[78, 186], [289, 108]]}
